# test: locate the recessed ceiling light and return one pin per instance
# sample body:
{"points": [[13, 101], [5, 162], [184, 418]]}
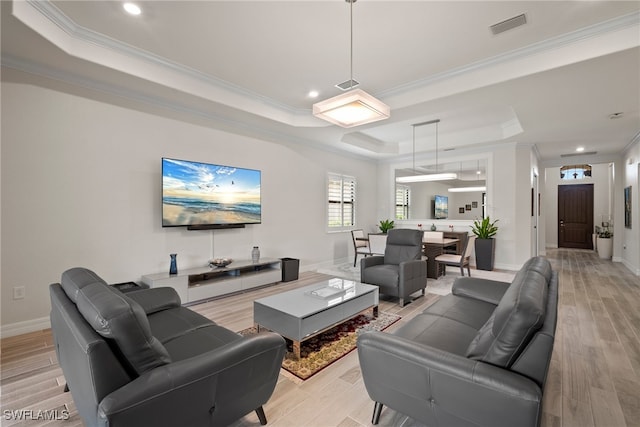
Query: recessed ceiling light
{"points": [[580, 149], [313, 94], [132, 9]]}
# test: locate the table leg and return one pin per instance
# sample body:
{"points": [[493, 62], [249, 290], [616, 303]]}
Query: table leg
{"points": [[296, 349], [374, 311]]}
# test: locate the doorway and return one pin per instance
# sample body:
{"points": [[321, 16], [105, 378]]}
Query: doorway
{"points": [[575, 216]]}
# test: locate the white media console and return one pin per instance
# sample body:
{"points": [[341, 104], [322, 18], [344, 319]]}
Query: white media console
{"points": [[197, 284]]}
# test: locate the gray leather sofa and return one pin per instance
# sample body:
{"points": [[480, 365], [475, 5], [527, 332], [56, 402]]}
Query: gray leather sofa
{"points": [[476, 357], [401, 271], [141, 359]]}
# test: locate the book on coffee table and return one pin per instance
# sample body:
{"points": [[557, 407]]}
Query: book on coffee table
{"points": [[326, 292], [334, 287]]}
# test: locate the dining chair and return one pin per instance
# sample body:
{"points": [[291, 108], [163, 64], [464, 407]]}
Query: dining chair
{"points": [[360, 244], [377, 243], [458, 260], [433, 237]]}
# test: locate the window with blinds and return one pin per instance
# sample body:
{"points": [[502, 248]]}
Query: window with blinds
{"points": [[403, 195], [341, 201]]}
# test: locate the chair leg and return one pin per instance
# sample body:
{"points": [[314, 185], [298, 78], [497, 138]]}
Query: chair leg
{"points": [[377, 409], [469, 269], [355, 259], [261, 416], [461, 270]]}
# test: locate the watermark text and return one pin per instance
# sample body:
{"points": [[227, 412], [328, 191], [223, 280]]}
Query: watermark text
{"points": [[35, 414]]}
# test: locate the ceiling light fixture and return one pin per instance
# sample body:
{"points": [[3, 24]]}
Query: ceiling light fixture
{"points": [[353, 108], [132, 9], [466, 189], [426, 177]]}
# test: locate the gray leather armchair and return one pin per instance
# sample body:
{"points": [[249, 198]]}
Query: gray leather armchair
{"points": [[401, 271], [142, 359]]}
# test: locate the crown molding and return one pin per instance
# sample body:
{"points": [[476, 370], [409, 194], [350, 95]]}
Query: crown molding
{"points": [[50, 22], [397, 96]]}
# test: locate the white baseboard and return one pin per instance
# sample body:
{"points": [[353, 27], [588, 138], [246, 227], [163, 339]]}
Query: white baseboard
{"points": [[634, 269], [25, 327]]}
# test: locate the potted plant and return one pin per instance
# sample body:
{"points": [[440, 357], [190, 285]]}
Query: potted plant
{"points": [[604, 240], [386, 225], [485, 246]]}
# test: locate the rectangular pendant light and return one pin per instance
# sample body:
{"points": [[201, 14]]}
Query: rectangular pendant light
{"points": [[428, 177], [353, 108], [466, 189]]}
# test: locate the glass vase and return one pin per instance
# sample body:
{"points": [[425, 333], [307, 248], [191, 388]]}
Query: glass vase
{"points": [[255, 254], [173, 266]]}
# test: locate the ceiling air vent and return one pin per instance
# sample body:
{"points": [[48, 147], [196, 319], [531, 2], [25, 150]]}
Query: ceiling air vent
{"points": [[349, 84], [584, 153], [508, 24]]}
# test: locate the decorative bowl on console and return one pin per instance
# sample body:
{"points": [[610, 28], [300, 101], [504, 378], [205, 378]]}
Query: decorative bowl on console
{"points": [[220, 262]]}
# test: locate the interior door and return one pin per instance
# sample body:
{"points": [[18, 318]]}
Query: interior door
{"points": [[575, 216]]}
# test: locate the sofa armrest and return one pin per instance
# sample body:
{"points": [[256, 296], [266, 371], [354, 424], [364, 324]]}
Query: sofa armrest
{"points": [[155, 299], [486, 290], [370, 261], [429, 384], [412, 274], [213, 388]]}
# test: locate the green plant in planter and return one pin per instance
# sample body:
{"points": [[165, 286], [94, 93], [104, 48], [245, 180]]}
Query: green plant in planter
{"points": [[485, 228], [604, 232], [386, 225], [484, 231]]}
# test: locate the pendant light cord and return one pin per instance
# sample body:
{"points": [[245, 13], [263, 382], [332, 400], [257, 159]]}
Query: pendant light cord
{"points": [[351, 47], [430, 122], [414, 149], [437, 145]]}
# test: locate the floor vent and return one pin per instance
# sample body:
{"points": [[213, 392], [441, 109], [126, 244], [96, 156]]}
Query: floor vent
{"points": [[508, 24]]}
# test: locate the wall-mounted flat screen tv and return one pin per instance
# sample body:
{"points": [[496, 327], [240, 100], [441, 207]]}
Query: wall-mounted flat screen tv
{"points": [[441, 210], [201, 194]]}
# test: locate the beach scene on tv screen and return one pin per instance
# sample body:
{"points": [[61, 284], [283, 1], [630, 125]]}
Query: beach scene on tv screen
{"points": [[199, 193]]}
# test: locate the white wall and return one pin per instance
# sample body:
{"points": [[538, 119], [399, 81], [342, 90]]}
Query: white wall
{"points": [[630, 237], [460, 200], [81, 186]]}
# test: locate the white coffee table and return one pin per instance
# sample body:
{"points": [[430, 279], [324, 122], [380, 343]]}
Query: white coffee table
{"points": [[302, 313]]}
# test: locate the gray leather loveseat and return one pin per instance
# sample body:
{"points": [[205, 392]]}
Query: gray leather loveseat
{"points": [[477, 357], [140, 359]]}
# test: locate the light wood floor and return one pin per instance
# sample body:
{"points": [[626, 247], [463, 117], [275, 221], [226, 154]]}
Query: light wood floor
{"points": [[594, 377]]}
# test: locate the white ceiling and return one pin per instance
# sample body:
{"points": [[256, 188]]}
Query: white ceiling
{"points": [[247, 67]]}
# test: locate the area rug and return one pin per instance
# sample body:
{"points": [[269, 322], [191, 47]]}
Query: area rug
{"points": [[322, 350]]}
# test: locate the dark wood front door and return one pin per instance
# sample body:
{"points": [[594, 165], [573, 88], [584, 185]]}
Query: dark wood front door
{"points": [[575, 216]]}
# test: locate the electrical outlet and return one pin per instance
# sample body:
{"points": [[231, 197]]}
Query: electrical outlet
{"points": [[18, 292]]}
